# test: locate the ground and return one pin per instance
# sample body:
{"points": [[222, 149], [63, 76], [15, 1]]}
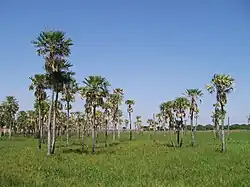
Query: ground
{"points": [[143, 162]]}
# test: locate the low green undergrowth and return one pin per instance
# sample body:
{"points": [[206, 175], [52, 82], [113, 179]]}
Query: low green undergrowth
{"points": [[145, 161]]}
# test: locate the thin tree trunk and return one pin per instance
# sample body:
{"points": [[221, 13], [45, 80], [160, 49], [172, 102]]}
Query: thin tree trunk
{"points": [[10, 130], [178, 136], [54, 126], [118, 129], [217, 126], [93, 131], [223, 148], [67, 126], [114, 131], [228, 127], [130, 126], [171, 134], [192, 129], [79, 130], [49, 123], [82, 142], [182, 137], [39, 127], [106, 133]]}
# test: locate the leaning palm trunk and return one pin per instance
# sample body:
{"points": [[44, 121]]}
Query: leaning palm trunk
{"points": [[54, 127], [49, 123], [67, 126], [39, 127], [93, 130], [130, 126]]}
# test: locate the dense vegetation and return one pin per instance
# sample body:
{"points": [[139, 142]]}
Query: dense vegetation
{"points": [[152, 156]]}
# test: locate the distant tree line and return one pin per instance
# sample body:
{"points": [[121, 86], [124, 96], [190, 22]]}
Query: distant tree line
{"points": [[207, 127]]}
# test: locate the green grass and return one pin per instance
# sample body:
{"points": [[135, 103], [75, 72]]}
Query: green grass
{"points": [[143, 162]]}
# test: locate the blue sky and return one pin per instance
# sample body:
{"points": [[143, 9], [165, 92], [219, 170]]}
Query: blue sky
{"points": [[154, 49]]}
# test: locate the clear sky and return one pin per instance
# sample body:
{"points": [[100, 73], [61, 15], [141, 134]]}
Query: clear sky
{"points": [[154, 49]]}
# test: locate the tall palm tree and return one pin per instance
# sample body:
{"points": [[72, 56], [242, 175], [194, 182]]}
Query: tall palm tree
{"points": [[222, 85], [193, 95], [53, 46], [181, 104], [130, 103], [38, 85], [70, 87], [94, 91]]}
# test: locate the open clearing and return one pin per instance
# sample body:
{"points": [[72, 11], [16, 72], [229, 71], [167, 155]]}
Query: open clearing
{"points": [[142, 162]]}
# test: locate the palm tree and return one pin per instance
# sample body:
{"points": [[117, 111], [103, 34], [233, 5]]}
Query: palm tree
{"points": [[222, 85], [138, 123], [166, 109], [107, 115], [94, 91], [180, 106], [130, 103], [53, 46], [10, 106], [193, 95], [39, 85], [126, 123], [115, 101], [70, 87]]}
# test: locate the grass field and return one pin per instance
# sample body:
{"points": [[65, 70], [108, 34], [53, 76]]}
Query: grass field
{"points": [[143, 162]]}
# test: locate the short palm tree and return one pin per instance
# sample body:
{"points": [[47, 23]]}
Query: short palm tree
{"points": [[130, 103], [180, 105], [70, 88], [94, 92], [222, 85], [193, 95], [38, 85]]}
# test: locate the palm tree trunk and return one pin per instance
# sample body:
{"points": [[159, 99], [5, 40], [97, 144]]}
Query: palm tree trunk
{"points": [[223, 148], [82, 137], [130, 126], [192, 129], [67, 125], [54, 126], [10, 129], [39, 127], [171, 129], [93, 130], [49, 123], [114, 131], [178, 136], [79, 130], [118, 129], [106, 133]]}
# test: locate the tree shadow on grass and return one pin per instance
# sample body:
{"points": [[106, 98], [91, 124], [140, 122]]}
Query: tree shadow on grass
{"points": [[87, 152], [78, 151]]}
